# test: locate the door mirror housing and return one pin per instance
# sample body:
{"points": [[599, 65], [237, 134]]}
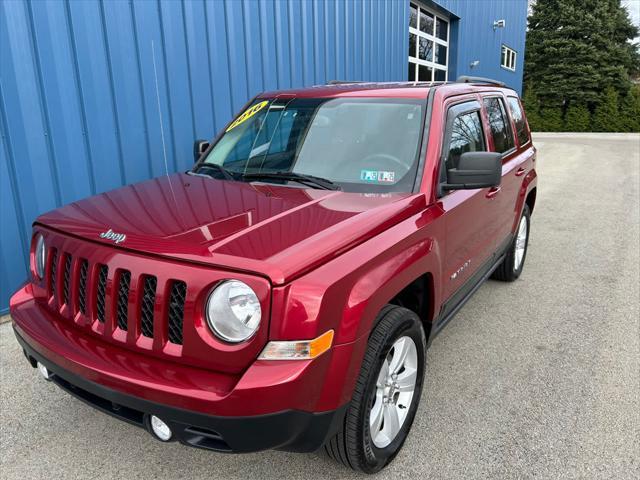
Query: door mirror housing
{"points": [[475, 170], [199, 147]]}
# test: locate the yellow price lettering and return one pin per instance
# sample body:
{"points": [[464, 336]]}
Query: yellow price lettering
{"points": [[250, 112]]}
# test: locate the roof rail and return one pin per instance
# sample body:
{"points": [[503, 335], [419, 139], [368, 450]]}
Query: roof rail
{"points": [[469, 79], [344, 82]]}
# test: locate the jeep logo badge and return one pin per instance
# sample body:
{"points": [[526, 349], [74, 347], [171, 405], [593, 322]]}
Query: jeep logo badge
{"points": [[111, 235]]}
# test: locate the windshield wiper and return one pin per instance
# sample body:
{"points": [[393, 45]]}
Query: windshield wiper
{"points": [[323, 183], [226, 173]]}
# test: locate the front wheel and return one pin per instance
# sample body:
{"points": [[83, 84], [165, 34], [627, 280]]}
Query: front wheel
{"points": [[511, 267], [387, 393]]}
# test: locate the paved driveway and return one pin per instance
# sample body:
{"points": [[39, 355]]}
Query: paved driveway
{"points": [[540, 378]]}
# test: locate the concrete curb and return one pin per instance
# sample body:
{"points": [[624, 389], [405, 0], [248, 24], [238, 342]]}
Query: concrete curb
{"points": [[4, 319]]}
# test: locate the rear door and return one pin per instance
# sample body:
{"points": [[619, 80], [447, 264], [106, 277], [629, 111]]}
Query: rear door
{"points": [[502, 140], [469, 236]]}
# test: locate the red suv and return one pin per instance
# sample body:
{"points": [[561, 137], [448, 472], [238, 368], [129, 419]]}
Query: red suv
{"points": [[283, 292]]}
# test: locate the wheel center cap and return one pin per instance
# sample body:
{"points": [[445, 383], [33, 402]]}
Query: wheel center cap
{"points": [[390, 390]]}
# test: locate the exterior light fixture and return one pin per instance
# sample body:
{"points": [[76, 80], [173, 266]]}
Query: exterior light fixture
{"points": [[499, 24]]}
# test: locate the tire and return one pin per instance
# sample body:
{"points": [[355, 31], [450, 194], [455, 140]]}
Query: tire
{"points": [[353, 444], [508, 271]]}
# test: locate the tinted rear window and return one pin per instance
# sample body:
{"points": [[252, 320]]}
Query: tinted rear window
{"points": [[518, 119], [499, 123]]}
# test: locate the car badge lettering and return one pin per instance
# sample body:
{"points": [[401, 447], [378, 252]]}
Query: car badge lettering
{"points": [[111, 235], [455, 274]]}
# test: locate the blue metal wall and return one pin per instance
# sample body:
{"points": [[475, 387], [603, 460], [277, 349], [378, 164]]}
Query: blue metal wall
{"points": [[473, 37], [78, 106]]}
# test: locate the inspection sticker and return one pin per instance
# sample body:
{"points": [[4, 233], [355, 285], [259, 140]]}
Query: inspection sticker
{"points": [[377, 176], [386, 177], [248, 113]]}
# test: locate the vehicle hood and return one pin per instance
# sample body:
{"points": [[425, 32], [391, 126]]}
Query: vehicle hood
{"points": [[275, 231]]}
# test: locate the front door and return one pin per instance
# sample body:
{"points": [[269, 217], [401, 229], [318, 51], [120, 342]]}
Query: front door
{"points": [[470, 228]]}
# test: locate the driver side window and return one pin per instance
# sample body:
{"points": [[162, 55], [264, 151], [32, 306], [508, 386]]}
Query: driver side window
{"points": [[466, 136]]}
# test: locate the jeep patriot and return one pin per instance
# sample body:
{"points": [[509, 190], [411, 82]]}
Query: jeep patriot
{"points": [[283, 292]]}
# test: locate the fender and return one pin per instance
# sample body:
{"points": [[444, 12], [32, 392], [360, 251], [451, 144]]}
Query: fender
{"points": [[347, 293]]}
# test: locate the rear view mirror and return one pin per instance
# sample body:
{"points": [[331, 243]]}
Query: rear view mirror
{"points": [[475, 170], [199, 147]]}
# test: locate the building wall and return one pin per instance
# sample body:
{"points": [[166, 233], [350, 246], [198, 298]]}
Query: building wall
{"points": [[475, 39]]}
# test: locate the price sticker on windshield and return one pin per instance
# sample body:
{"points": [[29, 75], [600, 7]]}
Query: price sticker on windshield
{"points": [[248, 113]]}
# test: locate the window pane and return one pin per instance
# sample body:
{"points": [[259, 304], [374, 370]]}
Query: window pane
{"points": [[518, 119], [424, 73], [413, 16], [466, 136], [440, 75], [412, 72], [425, 51], [499, 123], [441, 29], [513, 60], [426, 22], [412, 44], [503, 61], [441, 54]]}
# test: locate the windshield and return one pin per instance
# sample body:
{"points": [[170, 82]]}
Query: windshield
{"points": [[362, 145]]}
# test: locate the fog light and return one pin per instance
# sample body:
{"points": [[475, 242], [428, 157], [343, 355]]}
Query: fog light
{"points": [[44, 372], [160, 429]]}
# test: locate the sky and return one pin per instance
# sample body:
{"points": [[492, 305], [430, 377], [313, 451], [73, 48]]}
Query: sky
{"points": [[633, 6]]}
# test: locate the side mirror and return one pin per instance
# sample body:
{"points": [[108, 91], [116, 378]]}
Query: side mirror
{"points": [[475, 170], [199, 147]]}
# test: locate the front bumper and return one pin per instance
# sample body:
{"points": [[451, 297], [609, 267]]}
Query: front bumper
{"points": [[290, 405], [288, 430]]}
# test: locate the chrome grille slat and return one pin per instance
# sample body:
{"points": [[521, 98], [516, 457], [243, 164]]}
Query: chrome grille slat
{"points": [[82, 286], [123, 299], [101, 292], [176, 311], [147, 305]]}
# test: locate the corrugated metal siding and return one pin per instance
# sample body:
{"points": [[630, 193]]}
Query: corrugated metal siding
{"points": [[475, 39], [78, 106]]}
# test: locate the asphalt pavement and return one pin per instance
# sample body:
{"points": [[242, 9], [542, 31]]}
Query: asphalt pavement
{"points": [[535, 379]]}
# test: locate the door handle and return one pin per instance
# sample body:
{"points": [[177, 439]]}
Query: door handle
{"points": [[493, 191], [521, 171]]}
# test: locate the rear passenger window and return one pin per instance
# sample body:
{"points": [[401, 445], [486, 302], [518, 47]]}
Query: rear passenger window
{"points": [[499, 122], [466, 136], [518, 119]]}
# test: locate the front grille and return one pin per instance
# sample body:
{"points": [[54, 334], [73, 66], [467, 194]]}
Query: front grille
{"points": [[66, 279], [100, 293], [82, 286], [176, 311], [52, 277], [147, 305], [110, 296], [123, 299]]}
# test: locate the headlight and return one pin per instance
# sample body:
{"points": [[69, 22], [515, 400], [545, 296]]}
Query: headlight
{"points": [[233, 311], [40, 256]]}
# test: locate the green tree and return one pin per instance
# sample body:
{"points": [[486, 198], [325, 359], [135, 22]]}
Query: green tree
{"points": [[577, 118], [630, 111], [551, 119], [606, 117], [575, 49], [532, 109]]}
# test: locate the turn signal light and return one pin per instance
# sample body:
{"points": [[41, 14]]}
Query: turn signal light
{"points": [[298, 350]]}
